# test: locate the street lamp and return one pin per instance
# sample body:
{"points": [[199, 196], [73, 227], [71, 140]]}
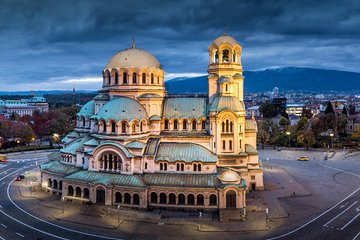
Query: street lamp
{"points": [[118, 207], [31, 188], [288, 133], [332, 139], [63, 205]]}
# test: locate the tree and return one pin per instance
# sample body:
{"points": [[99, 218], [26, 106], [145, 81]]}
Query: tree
{"points": [[356, 135], [341, 122], [283, 121], [344, 111], [306, 138], [268, 110], [263, 133], [302, 123], [329, 109], [306, 113]]}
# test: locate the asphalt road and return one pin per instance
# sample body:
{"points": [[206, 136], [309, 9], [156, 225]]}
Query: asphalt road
{"points": [[341, 220]]}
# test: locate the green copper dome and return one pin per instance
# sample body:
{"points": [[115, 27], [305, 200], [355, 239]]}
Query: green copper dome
{"points": [[222, 103], [122, 108], [87, 110]]}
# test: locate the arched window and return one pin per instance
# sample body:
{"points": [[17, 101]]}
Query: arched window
{"points": [[123, 127], [134, 78], [195, 167], [161, 166], [127, 198], [83, 122], [217, 56], [223, 127], [225, 56], [109, 78], [55, 184], [60, 185], [133, 128], [172, 198], [162, 198], [230, 145], [175, 124], [178, 167], [166, 125], [116, 78], [144, 78], [136, 199], [77, 192], [104, 126], [191, 199], [203, 124], [141, 126], [118, 197], [227, 125], [185, 125], [231, 126], [49, 183], [125, 78], [213, 200], [182, 167], [200, 199], [86, 193], [181, 199], [224, 144], [226, 87], [152, 78], [146, 165], [199, 167], [193, 125], [70, 190], [153, 197], [113, 127], [165, 166]]}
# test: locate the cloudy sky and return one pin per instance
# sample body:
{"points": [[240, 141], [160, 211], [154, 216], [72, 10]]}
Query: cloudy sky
{"points": [[57, 44]]}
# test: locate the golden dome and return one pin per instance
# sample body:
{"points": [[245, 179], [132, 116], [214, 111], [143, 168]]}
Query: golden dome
{"points": [[229, 176], [225, 39], [133, 58]]}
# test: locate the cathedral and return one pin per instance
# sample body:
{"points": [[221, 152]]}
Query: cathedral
{"points": [[136, 146]]}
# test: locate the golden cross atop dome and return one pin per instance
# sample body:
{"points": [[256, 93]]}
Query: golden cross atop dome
{"points": [[133, 42]]}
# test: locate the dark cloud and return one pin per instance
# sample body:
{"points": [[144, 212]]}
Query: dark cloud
{"points": [[42, 40]]}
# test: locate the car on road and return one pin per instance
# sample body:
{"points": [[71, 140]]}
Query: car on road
{"points": [[3, 158], [19, 177], [303, 158]]}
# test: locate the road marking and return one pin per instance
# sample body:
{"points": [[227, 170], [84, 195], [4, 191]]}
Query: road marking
{"points": [[357, 235], [338, 169], [20, 234], [10, 174], [1, 238], [344, 205], [0, 206], [350, 221], [316, 218], [52, 224], [3, 225], [331, 220]]}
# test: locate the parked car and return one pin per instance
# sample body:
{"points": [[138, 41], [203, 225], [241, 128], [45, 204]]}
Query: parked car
{"points": [[303, 158], [19, 177]]}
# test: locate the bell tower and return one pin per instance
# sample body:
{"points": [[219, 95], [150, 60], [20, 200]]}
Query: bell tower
{"points": [[225, 62]]}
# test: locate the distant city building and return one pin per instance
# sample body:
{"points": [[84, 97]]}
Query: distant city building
{"points": [[23, 107], [276, 92], [136, 146], [294, 108], [294, 119], [253, 109]]}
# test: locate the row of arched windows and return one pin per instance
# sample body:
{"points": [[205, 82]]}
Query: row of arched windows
{"points": [[184, 125], [110, 162], [181, 199], [226, 56], [126, 198], [68, 158], [228, 146], [132, 78], [180, 167], [80, 193], [227, 126], [54, 184], [121, 128]]}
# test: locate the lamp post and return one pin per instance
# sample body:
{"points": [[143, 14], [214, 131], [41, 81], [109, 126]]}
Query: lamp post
{"points": [[118, 207], [288, 133], [33, 140], [332, 140], [63, 205]]}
